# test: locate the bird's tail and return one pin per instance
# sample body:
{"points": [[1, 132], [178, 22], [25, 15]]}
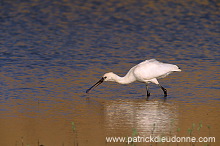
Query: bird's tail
{"points": [[177, 69]]}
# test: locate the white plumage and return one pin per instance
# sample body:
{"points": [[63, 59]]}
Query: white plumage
{"points": [[145, 72]]}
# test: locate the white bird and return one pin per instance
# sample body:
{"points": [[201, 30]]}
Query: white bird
{"points": [[146, 72]]}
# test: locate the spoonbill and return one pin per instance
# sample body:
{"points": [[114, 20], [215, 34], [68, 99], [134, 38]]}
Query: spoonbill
{"points": [[146, 72]]}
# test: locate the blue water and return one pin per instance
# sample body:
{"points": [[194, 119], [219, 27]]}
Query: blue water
{"points": [[60, 48]]}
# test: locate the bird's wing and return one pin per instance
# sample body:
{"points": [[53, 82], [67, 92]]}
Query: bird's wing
{"points": [[150, 69], [147, 61]]}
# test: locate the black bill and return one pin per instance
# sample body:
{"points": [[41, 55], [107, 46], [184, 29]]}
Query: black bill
{"points": [[96, 84]]}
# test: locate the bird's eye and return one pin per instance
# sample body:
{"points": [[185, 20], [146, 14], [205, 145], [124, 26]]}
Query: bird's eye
{"points": [[104, 77]]}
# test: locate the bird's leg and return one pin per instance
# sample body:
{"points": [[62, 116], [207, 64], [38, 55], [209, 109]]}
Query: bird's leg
{"points": [[148, 93], [164, 90]]}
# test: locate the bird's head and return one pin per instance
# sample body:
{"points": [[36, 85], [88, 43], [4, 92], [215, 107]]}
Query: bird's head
{"points": [[106, 77], [110, 76]]}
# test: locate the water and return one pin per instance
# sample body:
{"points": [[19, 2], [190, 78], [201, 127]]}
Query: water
{"points": [[52, 51]]}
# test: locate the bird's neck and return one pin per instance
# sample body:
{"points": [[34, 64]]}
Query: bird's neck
{"points": [[124, 80]]}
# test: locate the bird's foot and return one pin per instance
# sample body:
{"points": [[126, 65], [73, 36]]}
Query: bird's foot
{"points": [[164, 91], [165, 95], [165, 98], [147, 96]]}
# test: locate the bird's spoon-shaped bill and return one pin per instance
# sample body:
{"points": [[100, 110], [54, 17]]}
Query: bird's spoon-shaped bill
{"points": [[96, 84]]}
